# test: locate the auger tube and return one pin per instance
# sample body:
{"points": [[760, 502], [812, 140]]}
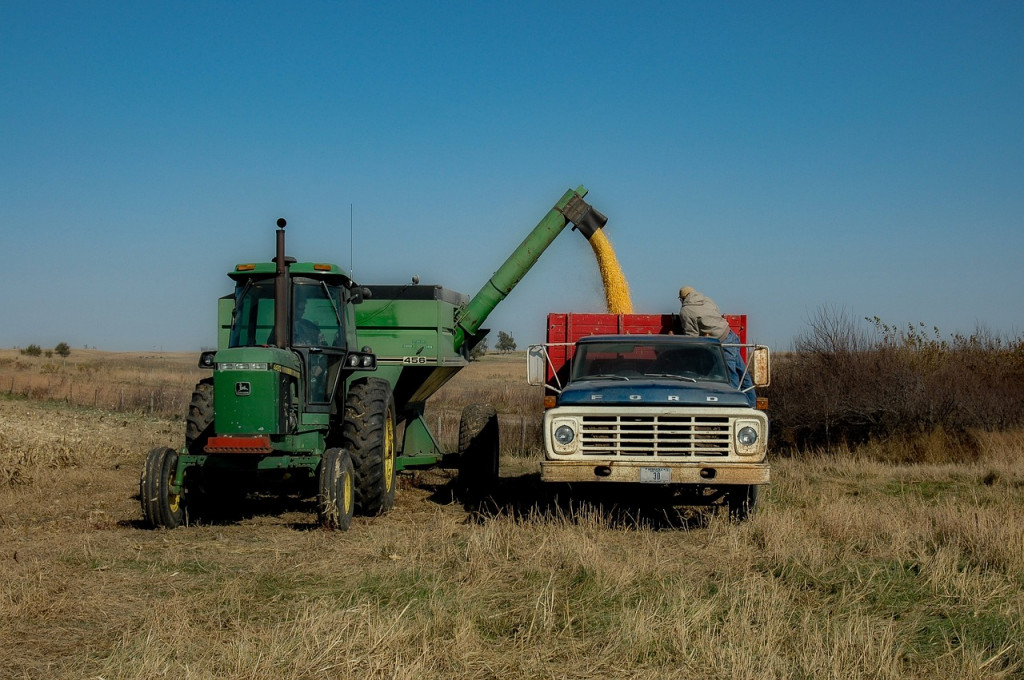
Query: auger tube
{"points": [[570, 208]]}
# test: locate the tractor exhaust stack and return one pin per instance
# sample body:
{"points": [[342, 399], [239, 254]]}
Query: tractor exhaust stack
{"points": [[281, 290]]}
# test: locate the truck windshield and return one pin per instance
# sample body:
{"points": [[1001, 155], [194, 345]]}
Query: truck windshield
{"points": [[633, 360]]}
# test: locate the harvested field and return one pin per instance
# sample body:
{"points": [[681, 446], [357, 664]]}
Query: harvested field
{"points": [[853, 568]]}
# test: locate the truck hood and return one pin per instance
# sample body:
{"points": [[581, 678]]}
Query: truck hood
{"points": [[651, 391]]}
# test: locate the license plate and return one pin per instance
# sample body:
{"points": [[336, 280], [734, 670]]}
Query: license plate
{"points": [[655, 475]]}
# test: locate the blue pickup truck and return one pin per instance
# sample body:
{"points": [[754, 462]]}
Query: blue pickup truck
{"points": [[653, 409]]}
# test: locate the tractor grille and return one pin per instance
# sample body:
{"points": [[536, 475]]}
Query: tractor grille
{"points": [[656, 435]]}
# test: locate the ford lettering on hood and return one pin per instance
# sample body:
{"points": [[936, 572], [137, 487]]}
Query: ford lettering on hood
{"points": [[650, 391]]}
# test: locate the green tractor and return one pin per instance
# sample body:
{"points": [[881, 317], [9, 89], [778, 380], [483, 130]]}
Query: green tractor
{"points": [[298, 395], [293, 400]]}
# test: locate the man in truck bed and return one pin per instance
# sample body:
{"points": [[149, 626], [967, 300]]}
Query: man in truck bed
{"points": [[700, 316]]}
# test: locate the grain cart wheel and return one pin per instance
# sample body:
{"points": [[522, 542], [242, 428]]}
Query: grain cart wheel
{"points": [[160, 506], [369, 433], [478, 449], [336, 501], [742, 501], [199, 421]]}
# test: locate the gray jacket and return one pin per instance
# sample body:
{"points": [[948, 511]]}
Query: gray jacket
{"points": [[701, 316]]}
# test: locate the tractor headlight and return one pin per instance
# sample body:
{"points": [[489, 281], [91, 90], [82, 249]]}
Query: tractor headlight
{"points": [[564, 435], [243, 366]]}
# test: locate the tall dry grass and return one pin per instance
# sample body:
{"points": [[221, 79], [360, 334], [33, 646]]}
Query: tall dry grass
{"points": [[854, 568]]}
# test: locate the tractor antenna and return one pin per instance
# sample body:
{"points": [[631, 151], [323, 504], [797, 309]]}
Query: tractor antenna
{"points": [[351, 240]]}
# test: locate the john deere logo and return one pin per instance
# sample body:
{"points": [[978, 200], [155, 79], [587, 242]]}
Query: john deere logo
{"points": [[243, 389]]}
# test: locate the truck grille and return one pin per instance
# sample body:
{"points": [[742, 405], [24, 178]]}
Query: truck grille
{"points": [[655, 435]]}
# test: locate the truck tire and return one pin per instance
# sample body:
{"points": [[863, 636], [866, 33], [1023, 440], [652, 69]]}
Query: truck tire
{"points": [[160, 507], [478, 450], [336, 501], [369, 436], [199, 421], [742, 501]]}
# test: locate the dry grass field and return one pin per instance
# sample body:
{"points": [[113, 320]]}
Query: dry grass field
{"points": [[852, 569]]}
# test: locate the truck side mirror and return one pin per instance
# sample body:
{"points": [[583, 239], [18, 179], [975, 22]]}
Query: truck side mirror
{"points": [[761, 367], [536, 365]]}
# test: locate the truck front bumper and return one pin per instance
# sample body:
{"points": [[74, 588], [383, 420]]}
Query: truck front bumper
{"points": [[655, 472]]}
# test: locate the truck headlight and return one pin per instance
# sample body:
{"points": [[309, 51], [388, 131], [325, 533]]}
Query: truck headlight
{"points": [[563, 438], [747, 436]]}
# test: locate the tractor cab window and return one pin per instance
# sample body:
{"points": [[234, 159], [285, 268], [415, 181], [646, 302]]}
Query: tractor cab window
{"points": [[253, 322], [318, 334], [317, 314]]}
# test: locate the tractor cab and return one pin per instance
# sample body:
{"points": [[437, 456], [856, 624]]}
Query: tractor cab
{"points": [[320, 323]]}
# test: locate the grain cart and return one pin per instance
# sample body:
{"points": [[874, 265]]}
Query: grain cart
{"points": [[630, 400], [324, 383]]}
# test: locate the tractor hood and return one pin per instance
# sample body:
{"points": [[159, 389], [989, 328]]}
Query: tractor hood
{"points": [[667, 392]]}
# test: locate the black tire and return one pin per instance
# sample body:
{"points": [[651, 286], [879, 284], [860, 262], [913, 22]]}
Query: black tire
{"points": [[336, 500], [369, 436], [478, 450], [199, 421], [742, 501], [160, 507]]}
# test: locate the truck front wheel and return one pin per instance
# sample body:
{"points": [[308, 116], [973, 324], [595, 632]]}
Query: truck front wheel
{"points": [[369, 435], [742, 501]]}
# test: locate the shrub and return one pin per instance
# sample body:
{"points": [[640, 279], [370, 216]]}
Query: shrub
{"points": [[847, 383], [32, 351]]}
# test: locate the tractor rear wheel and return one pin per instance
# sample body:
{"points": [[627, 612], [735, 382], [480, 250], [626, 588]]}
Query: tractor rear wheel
{"points": [[199, 421], [742, 501], [161, 507], [336, 501], [369, 436], [478, 449]]}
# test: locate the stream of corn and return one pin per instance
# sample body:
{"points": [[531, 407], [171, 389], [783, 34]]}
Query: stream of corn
{"points": [[616, 290]]}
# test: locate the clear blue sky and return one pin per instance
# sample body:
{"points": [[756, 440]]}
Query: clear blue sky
{"points": [[779, 157]]}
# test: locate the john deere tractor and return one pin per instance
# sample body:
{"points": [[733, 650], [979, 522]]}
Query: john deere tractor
{"points": [[292, 396], [289, 399]]}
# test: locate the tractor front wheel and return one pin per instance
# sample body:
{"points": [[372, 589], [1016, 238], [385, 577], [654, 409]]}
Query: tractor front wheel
{"points": [[369, 435], [336, 501], [161, 507]]}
